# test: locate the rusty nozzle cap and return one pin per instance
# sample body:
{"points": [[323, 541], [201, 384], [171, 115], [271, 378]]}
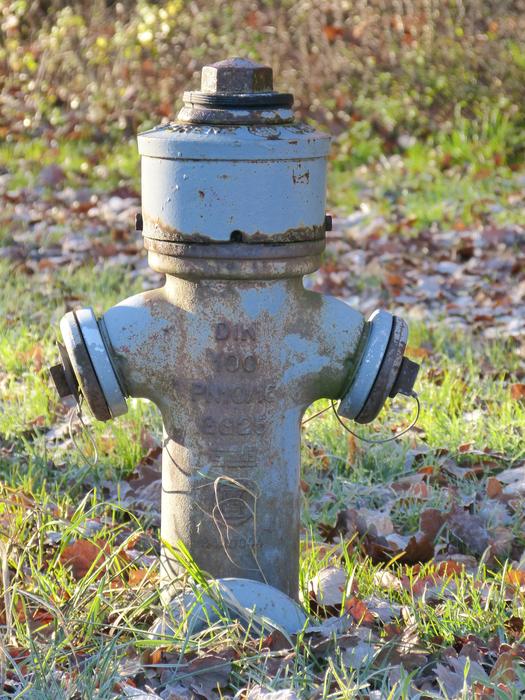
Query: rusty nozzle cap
{"points": [[235, 76], [63, 375]]}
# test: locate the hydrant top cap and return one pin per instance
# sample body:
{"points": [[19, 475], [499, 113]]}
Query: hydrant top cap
{"points": [[236, 76], [236, 91]]}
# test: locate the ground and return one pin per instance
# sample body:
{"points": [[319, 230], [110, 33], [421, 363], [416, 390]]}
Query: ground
{"points": [[413, 564]]}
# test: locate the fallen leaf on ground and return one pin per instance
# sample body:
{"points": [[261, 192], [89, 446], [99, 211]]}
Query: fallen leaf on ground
{"points": [[514, 480], [206, 674], [384, 610], [500, 544], [516, 577], [136, 576], [358, 609], [374, 522], [412, 486], [387, 580], [494, 487], [469, 529], [359, 654], [141, 493], [459, 673], [328, 587], [257, 692], [517, 392], [503, 669], [81, 555], [404, 649]]}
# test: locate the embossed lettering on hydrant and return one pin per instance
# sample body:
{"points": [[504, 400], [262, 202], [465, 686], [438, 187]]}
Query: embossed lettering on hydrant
{"points": [[232, 362], [235, 501], [244, 425], [234, 331], [238, 394]]}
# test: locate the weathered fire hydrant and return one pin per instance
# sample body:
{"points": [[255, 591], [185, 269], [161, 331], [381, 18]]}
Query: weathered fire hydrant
{"points": [[233, 349]]}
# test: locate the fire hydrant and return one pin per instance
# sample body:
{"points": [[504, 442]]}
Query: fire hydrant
{"points": [[233, 348]]}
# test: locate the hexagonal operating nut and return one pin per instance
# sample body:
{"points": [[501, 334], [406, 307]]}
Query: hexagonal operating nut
{"points": [[236, 76]]}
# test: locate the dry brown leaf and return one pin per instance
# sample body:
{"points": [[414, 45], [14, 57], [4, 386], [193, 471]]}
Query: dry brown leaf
{"points": [[494, 487], [515, 577], [431, 521], [517, 392], [514, 626], [394, 280], [332, 32], [406, 549], [387, 580], [358, 654], [412, 486], [374, 522], [81, 555], [503, 669], [405, 649], [137, 576], [469, 529], [465, 447], [276, 641], [208, 673], [455, 675], [358, 609], [141, 493], [501, 541], [514, 480], [421, 353]]}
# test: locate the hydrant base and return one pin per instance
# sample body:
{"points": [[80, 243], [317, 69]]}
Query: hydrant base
{"points": [[257, 606]]}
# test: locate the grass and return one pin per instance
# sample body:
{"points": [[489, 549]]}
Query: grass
{"points": [[67, 636], [81, 160], [92, 624]]}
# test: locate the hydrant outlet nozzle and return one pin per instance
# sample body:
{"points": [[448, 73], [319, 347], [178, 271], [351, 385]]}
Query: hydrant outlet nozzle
{"points": [[91, 366], [383, 371]]}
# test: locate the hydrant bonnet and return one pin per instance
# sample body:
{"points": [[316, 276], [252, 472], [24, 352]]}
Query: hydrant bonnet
{"points": [[237, 169]]}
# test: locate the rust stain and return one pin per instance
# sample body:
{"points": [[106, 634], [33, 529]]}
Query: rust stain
{"points": [[301, 178], [156, 229], [224, 118]]}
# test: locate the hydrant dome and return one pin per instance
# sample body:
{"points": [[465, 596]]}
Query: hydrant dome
{"points": [[234, 166]]}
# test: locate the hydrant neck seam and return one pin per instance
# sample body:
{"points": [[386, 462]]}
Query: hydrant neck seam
{"points": [[111, 354], [359, 354]]}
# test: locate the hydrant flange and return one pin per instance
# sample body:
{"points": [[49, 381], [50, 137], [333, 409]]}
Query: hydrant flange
{"points": [[379, 330], [383, 371]]}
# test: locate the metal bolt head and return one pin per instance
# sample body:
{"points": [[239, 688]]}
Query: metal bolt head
{"points": [[236, 76], [59, 378]]}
